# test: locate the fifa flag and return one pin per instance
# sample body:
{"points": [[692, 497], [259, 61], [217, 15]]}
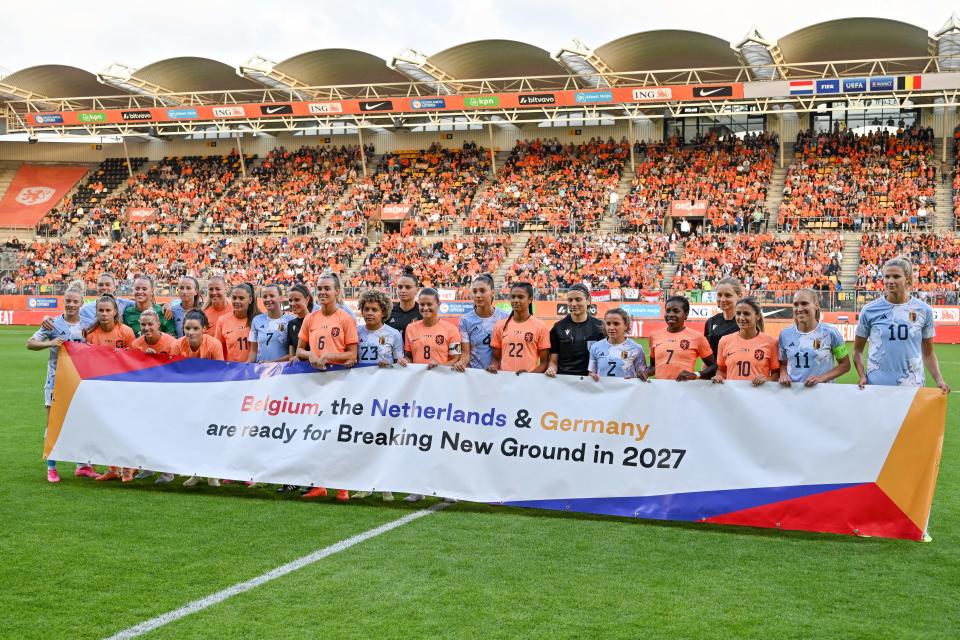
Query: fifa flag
{"points": [[830, 459]]}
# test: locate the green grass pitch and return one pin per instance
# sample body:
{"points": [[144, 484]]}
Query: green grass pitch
{"points": [[79, 560]]}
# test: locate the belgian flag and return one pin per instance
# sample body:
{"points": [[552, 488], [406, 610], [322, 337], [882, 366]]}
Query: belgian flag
{"points": [[908, 83]]}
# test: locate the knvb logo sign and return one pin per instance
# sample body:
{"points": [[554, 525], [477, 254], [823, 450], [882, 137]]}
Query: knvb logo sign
{"points": [[30, 196]]}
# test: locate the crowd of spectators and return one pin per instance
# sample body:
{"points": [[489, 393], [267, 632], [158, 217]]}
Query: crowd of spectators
{"points": [[935, 258], [178, 189], [100, 182], [449, 262], [601, 262], [438, 184], [166, 258], [545, 184], [763, 262], [879, 181], [731, 173], [290, 191]]}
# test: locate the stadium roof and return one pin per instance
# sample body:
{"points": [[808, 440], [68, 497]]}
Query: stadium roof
{"points": [[837, 40]]}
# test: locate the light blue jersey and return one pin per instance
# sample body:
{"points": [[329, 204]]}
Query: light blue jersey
{"points": [[895, 332], [270, 334], [383, 345], [477, 331], [179, 313], [88, 312], [69, 333], [813, 353], [624, 360]]}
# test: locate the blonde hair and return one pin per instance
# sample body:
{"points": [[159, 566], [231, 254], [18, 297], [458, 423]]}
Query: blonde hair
{"points": [[813, 295], [733, 282], [901, 263]]}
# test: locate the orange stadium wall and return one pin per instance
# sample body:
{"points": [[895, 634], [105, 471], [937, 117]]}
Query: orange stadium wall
{"points": [[647, 317], [503, 138]]}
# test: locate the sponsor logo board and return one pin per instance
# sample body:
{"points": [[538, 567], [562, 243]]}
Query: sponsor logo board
{"points": [[182, 114], [228, 112], [92, 116], [653, 93], [455, 308], [136, 115], [720, 91], [276, 109], [828, 86], [376, 105], [428, 103], [48, 118], [582, 97], [537, 98], [43, 303], [642, 310], [325, 107], [884, 83], [482, 101], [854, 85]]}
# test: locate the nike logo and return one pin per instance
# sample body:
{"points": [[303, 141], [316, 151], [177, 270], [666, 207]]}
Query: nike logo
{"points": [[710, 92], [275, 109], [372, 106]]}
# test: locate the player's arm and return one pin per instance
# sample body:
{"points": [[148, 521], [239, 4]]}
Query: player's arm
{"points": [[554, 363], [640, 370], [720, 370], [841, 354], [40, 341], [254, 346], [460, 364], [303, 350], [858, 345], [496, 344], [932, 364], [544, 361], [709, 362], [593, 367]]}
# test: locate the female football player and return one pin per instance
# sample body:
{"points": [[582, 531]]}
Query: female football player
{"points": [[189, 298], [900, 330], [521, 343], [674, 350], [476, 327], [233, 329], [217, 304], [196, 343], [268, 332], [66, 328], [808, 348], [572, 336], [748, 354], [616, 356], [728, 291], [431, 341]]}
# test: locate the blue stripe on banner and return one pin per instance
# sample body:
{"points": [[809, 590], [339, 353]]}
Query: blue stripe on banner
{"points": [[199, 370], [692, 506], [801, 92]]}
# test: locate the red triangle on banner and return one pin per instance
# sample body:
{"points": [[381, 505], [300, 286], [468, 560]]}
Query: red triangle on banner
{"points": [[863, 510]]}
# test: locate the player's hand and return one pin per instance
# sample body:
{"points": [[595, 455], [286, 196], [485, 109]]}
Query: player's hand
{"points": [[759, 380], [432, 365], [642, 376], [403, 362], [318, 362], [812, 381], [47, 323], [57, 343], [459, 367], [350, 362], [717, 379], [595, 377], [149, 351], [863, 382], [683, 376], [493, 368], [785, 379], [167, 311], [551, 371], [519, 371], [943, 386]]}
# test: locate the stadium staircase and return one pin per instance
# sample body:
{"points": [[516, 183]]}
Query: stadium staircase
{"points": [[517, 244], [372, 163], [670, 268], [851, 261], [944, 219], [8, 169], [775, 190], [193, 231], [74, 230]]}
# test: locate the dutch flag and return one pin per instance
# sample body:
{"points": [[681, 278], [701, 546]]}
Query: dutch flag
{"points": [[801, 87]]}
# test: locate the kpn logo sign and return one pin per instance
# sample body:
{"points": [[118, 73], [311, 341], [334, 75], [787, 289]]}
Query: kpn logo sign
{"points": [[482, 101]]}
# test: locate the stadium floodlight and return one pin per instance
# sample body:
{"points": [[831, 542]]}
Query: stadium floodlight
{"points": [[582, 61], [948, 44], [264, 71], [418, 68], [760, 55], [121, 76]]}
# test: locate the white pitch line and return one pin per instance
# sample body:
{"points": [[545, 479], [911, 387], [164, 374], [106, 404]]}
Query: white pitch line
{"points": [[242, 587]]}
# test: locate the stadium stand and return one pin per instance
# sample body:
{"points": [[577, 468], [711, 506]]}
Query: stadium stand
{"points": [[547, 185], [289, 190], [180, 189], [732, 174], [265, 259], [605, 261], [437, 183], [935, 257], [449, 262], [763, 262], [877, 181], [100, 183]]}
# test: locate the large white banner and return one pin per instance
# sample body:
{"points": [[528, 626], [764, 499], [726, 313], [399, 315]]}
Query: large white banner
{"points": [[480, 436]]}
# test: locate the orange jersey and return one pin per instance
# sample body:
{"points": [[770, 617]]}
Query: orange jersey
{"points": [[329, 333], [520, 343], [166, 344], [437, 344], [213, 317], [210, 348], [675, 352], [120, 337], [741, 359], [234, 334]]}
